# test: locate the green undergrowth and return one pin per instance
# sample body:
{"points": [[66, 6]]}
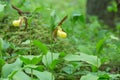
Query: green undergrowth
{"points": [[90, 51]]}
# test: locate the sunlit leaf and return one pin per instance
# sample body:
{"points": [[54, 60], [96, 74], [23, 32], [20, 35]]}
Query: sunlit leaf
{"points": [[8, 68], [31, 59], [4, 44], [49, 58], [94, 60], [2, 7], [20, 75], [68, 69], [89, 77], [45, 75], [114, 37], [4, 79], [26, 42], [30, 66]]}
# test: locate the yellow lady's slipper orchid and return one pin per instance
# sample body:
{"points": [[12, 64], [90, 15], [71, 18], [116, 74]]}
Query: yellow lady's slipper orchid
{"points": [[16, 23], [61, 34]]}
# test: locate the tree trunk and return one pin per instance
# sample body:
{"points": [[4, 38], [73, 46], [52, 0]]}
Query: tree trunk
{"points": [[99, 8]]}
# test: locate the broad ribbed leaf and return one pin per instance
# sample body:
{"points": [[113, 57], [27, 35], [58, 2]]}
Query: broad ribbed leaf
{"points": [[20, 75], [45, 75], [31, 59], [89, 77], [49, 58], [8, 68], [91, 59]]}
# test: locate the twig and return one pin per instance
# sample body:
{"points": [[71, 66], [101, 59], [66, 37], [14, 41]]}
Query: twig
{"points": [[60, 23], [19, 11]]}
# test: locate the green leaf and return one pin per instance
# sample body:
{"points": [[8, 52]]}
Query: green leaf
{"points": [[71, 57], [45, 75], [4, 44], [2, 7], [31, 59], [20, 75], [41, 46], [110, 8], [53, 19], [94, 60], [115, 76], [1, 43], [69, 69], [26, 42], [49, 58], [30, 66], [38, 9], [89, 77], [78, 16], [4, 79], [113, 7], [8, 68], [99, 45], [10, 76], [2, 62]]}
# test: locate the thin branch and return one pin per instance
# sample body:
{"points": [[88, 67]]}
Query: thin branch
{"points": [[61, 22], [20, 12]]}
